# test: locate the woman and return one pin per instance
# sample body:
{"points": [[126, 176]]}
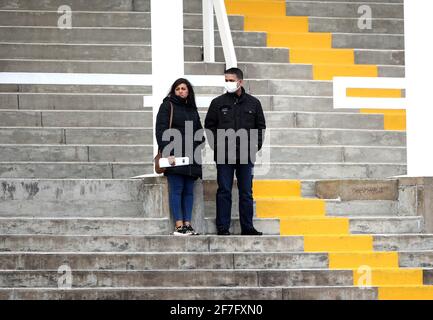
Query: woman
{"points": [[180, 101]]}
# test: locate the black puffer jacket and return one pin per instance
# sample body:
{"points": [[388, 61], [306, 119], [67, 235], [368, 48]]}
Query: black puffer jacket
{"points": [[183, 111], [230, 111]]}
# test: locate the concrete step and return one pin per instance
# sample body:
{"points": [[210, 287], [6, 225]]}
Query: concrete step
{"points": [[362, 208], [146, 243], [122, 170], [46, 51], [179, 278], [342, 9], [137, 153], [108, 118], [102, 19], [134, 136], [267, 226], [82, 5], [68, 66], [252, 71], [345, 137], [111, 226], [76, 118], [404, 242], [410, 243], [180, 293], [66, 170], [335, 154], [64, 101], [380, 57], [420, 259], [190, 6], [79, 153], [115, 36], [290, 87], [368, 41], [384, 225], [68, 51], [135, 102], [305, 171], [254, 86], [44, 88], [218, 293], [90, 226], [256, 70], [125, 136], [391, 71], [83, 198], [281, 119], [116, 261], [350, 25]]}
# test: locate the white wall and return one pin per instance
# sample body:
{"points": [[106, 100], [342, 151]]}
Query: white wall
{"points": [[419, 84]]}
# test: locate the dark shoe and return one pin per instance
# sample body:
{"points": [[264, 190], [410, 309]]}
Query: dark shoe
{"points": [[190, 231], [252, 232], [223, 233], [180, 231]]}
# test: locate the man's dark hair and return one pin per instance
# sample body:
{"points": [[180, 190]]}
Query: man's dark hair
{"points": [[191, 94], [236, 71]]}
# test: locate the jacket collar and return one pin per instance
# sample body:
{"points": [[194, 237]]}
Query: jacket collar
{"points": [[235, 96]]}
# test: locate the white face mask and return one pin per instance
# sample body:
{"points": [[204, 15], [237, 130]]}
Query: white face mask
{"points": [[232, 87]]}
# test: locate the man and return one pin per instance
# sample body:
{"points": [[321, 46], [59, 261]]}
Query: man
{"points": [[237, 123]]}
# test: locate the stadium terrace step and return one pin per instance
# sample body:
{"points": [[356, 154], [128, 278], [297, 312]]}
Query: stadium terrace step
{"points": [[105, 118], [137, 153], [125, 170], [94, 52], [350, 25], [408, 244], [113, 19], [342, 9], [115, 36], [134, 136]]}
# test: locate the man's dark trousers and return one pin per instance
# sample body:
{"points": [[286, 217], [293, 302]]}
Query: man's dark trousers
{"points": [[225, 175]]}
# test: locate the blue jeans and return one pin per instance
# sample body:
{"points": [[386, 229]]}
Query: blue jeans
{"points": [[225, 175], [181, 196]]}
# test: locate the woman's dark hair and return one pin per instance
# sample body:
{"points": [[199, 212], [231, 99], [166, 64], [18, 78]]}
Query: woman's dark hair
{"points": [[191, 94]]}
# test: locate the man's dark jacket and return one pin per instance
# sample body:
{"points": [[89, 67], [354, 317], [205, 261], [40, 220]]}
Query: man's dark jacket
{"points": [[183, 111], [230, 111]]}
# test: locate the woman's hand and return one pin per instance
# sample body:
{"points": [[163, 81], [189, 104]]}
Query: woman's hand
{"points": [[172, 160]]}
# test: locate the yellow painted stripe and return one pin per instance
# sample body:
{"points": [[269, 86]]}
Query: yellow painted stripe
{"points": [[276, 188], [406, 293], [289, 207], [265, 8], [393, 119], [276, 24], [385, 111], [342, 243], [322, 56], [354, 260], [311, 226], [327, 72], [388, 277], [299, 40], [374, 93]]}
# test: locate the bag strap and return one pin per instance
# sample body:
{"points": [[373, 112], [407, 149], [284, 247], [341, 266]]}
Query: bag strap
{"points": [[171, 118], [171, 114]]}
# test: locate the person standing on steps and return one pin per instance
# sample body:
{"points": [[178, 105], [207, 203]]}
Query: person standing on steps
{"points": [[237, 124], [180, 107]]}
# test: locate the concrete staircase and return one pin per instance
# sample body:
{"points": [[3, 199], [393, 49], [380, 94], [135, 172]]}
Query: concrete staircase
{"points": [[66, 153]]}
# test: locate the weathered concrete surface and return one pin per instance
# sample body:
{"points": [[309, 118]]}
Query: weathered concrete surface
{"points": [[416, 195], [348, 190]]}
